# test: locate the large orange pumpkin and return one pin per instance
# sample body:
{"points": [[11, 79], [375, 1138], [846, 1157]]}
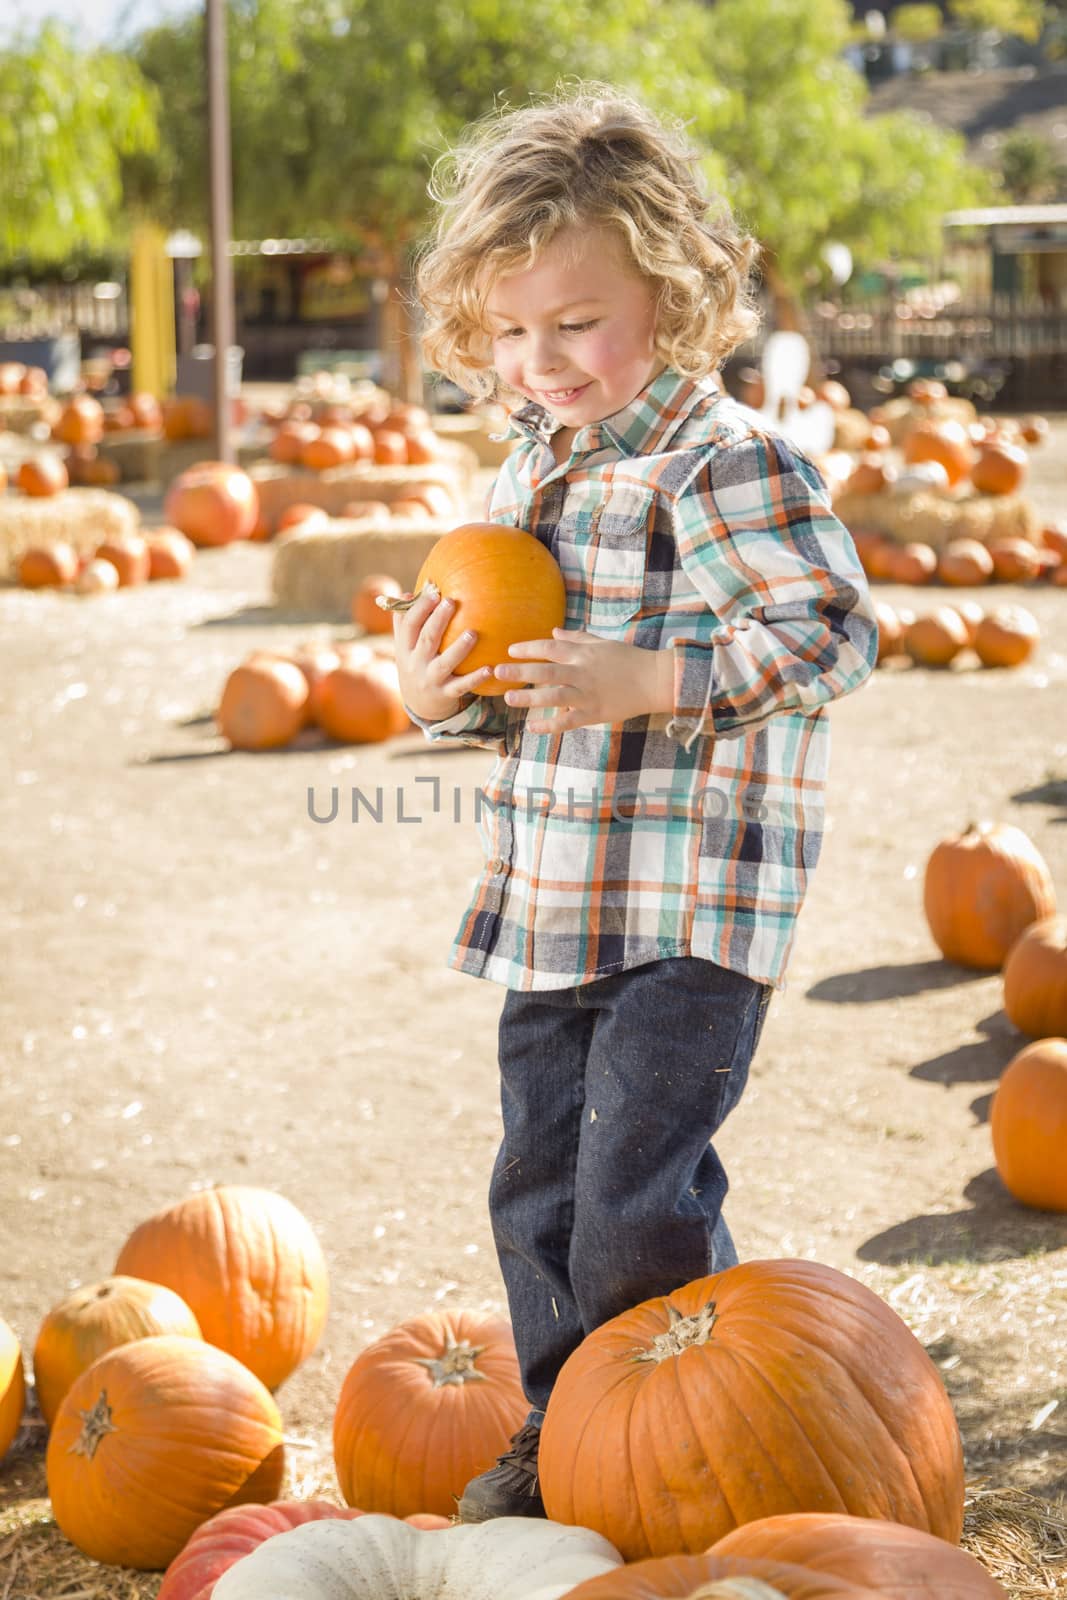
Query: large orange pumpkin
{"points": [[1007, 636], [359, 702], [1035, 979], [264, 704], [248, 1265], [809, 1556], [507, 587], [153, 1439], [661, 1426], [212, 503], [981, 889], [96, 1318], [424, 1409], [12, 1387], [237, 1531], [946, 442], [1028, 1122]]}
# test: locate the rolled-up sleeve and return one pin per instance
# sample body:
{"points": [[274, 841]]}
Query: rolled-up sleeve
{"points": [[791, 624], [481, 721]]}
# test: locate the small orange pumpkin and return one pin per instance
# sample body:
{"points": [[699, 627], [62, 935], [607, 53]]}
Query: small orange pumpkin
{"points": [[1007, 636], [12, 1386], [390, 448], [124, 1424], [1028, 1123], [971, 613], [981, 889], [360, 701], [964, 562], [329, 447], [288, 443], [128, 554], [1014, 560], [936, 637], [80, 422], [263, 704], [170, 553], [94, 1319], [42, 476], [366, 613], [890, 631], [872, 474], [1054, 537], [212, 503], [1000, 468], [47, 566], [946, 442], [912, 563], [301, 514], [1035, 979]]}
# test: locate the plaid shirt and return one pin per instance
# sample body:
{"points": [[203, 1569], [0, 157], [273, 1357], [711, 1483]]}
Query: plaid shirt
{"points": [[681, 523]]}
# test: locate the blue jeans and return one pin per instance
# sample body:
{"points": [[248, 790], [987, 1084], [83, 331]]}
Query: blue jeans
{"points": [[606, 1190]]}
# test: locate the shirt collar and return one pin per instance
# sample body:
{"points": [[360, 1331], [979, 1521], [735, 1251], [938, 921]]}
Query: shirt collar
{"points": [[640, 428]]}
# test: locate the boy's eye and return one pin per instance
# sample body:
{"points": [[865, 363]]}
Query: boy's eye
{"points": [[578, 327]]}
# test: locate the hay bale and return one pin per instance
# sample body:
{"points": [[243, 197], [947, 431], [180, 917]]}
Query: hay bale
{"points": [[479, 433], [318, 572], [21, 413], [281, 487], [83, 518], [934, 519], [851, 429], [137, 452], [901, 415]]}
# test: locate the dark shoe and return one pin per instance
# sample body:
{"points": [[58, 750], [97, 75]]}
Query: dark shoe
{"points": [[510, 1489]]}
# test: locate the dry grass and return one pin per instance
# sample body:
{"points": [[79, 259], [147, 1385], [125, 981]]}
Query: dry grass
{"points": [[316, 573], [80, 517], [934, 519], [281, 487]]}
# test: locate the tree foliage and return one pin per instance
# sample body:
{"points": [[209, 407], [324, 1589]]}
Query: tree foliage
{"points": [[67, 118], [1030, 169], [1023, 18]]}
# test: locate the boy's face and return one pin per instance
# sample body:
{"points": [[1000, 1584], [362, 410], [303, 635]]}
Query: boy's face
{"points": [[575, 331]]}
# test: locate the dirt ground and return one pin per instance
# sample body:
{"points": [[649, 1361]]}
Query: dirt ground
{"points": [[201, 985]]}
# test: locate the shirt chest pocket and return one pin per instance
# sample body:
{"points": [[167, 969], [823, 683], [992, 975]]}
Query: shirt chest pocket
{"points": [[603, 551]]}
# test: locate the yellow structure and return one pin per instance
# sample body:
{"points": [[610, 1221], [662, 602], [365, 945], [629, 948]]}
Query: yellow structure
{"points": [[152, 312]]}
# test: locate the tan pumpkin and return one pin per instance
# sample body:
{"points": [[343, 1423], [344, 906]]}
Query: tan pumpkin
{"points": [[48, 566], [1028, 1123], [981, 889], [263, 705], [128, 554], [366, 612], [94, 1319], [360, 702], [154, 1438], [248, 1265], [424, 1409], [964, 562], [936, 637], [641, 1441], [1035, 979], [12, 1387], [1014, 560], [1007, 636], [97, 577]]}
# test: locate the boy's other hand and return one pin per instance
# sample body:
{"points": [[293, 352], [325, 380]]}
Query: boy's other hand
{"points": [[586, 680], [429, 681]]}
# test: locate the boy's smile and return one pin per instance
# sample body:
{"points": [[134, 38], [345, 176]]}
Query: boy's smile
{"points": [[575, 332]]}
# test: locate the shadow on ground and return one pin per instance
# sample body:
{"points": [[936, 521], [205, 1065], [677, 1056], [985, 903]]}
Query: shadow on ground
{"points": [[1051, 793], [976, 1061], [891, 982], [994, 1228]]}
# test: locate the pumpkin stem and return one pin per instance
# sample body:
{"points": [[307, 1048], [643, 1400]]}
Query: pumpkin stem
{"points": [[456, 1365], [681, 1334], [97, 1423], [401, 602]]}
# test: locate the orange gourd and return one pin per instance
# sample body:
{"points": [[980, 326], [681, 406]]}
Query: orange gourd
{"points": [[1035, 979], [41, 476], [154, 1438], [360, 701], [263, 704], [48, 566], [946, 442], [964, 562], [1028, 1123], [981, 889], [507, 587], [833, 1387], [212, 503], [96, 1318], [936, 638], [248, 1265], [1006, 637], [1000, 468], [424, 1409], [12, 1387]]}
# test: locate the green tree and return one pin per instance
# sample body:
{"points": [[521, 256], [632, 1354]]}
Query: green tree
{"points": [[1029, 169], [1023, 18], [67, 117], [917, 23]]}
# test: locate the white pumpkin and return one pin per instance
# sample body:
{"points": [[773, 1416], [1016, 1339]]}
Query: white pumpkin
{"points": [[382, 1558]]}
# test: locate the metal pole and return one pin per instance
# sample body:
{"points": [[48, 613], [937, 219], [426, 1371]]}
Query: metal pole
{"points": [[222, 312]]}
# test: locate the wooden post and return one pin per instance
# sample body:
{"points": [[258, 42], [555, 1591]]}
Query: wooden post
{"points": [[222, 308]]}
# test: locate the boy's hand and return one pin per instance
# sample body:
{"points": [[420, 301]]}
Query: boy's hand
{"points": [[429, 683], [589, 679]]}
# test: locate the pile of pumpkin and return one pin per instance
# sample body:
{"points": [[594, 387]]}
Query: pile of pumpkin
{"points": [[421, 502], [1006, 636], [966, 563], [327, 424], [777, 1421], [121, 562], [990, 905]]}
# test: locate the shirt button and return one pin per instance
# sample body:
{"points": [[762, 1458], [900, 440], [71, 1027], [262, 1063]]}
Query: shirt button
{"points": [[495, 865]]}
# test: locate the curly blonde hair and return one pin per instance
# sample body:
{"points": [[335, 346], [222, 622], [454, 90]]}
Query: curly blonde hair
{"points": [[590, 156]]}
